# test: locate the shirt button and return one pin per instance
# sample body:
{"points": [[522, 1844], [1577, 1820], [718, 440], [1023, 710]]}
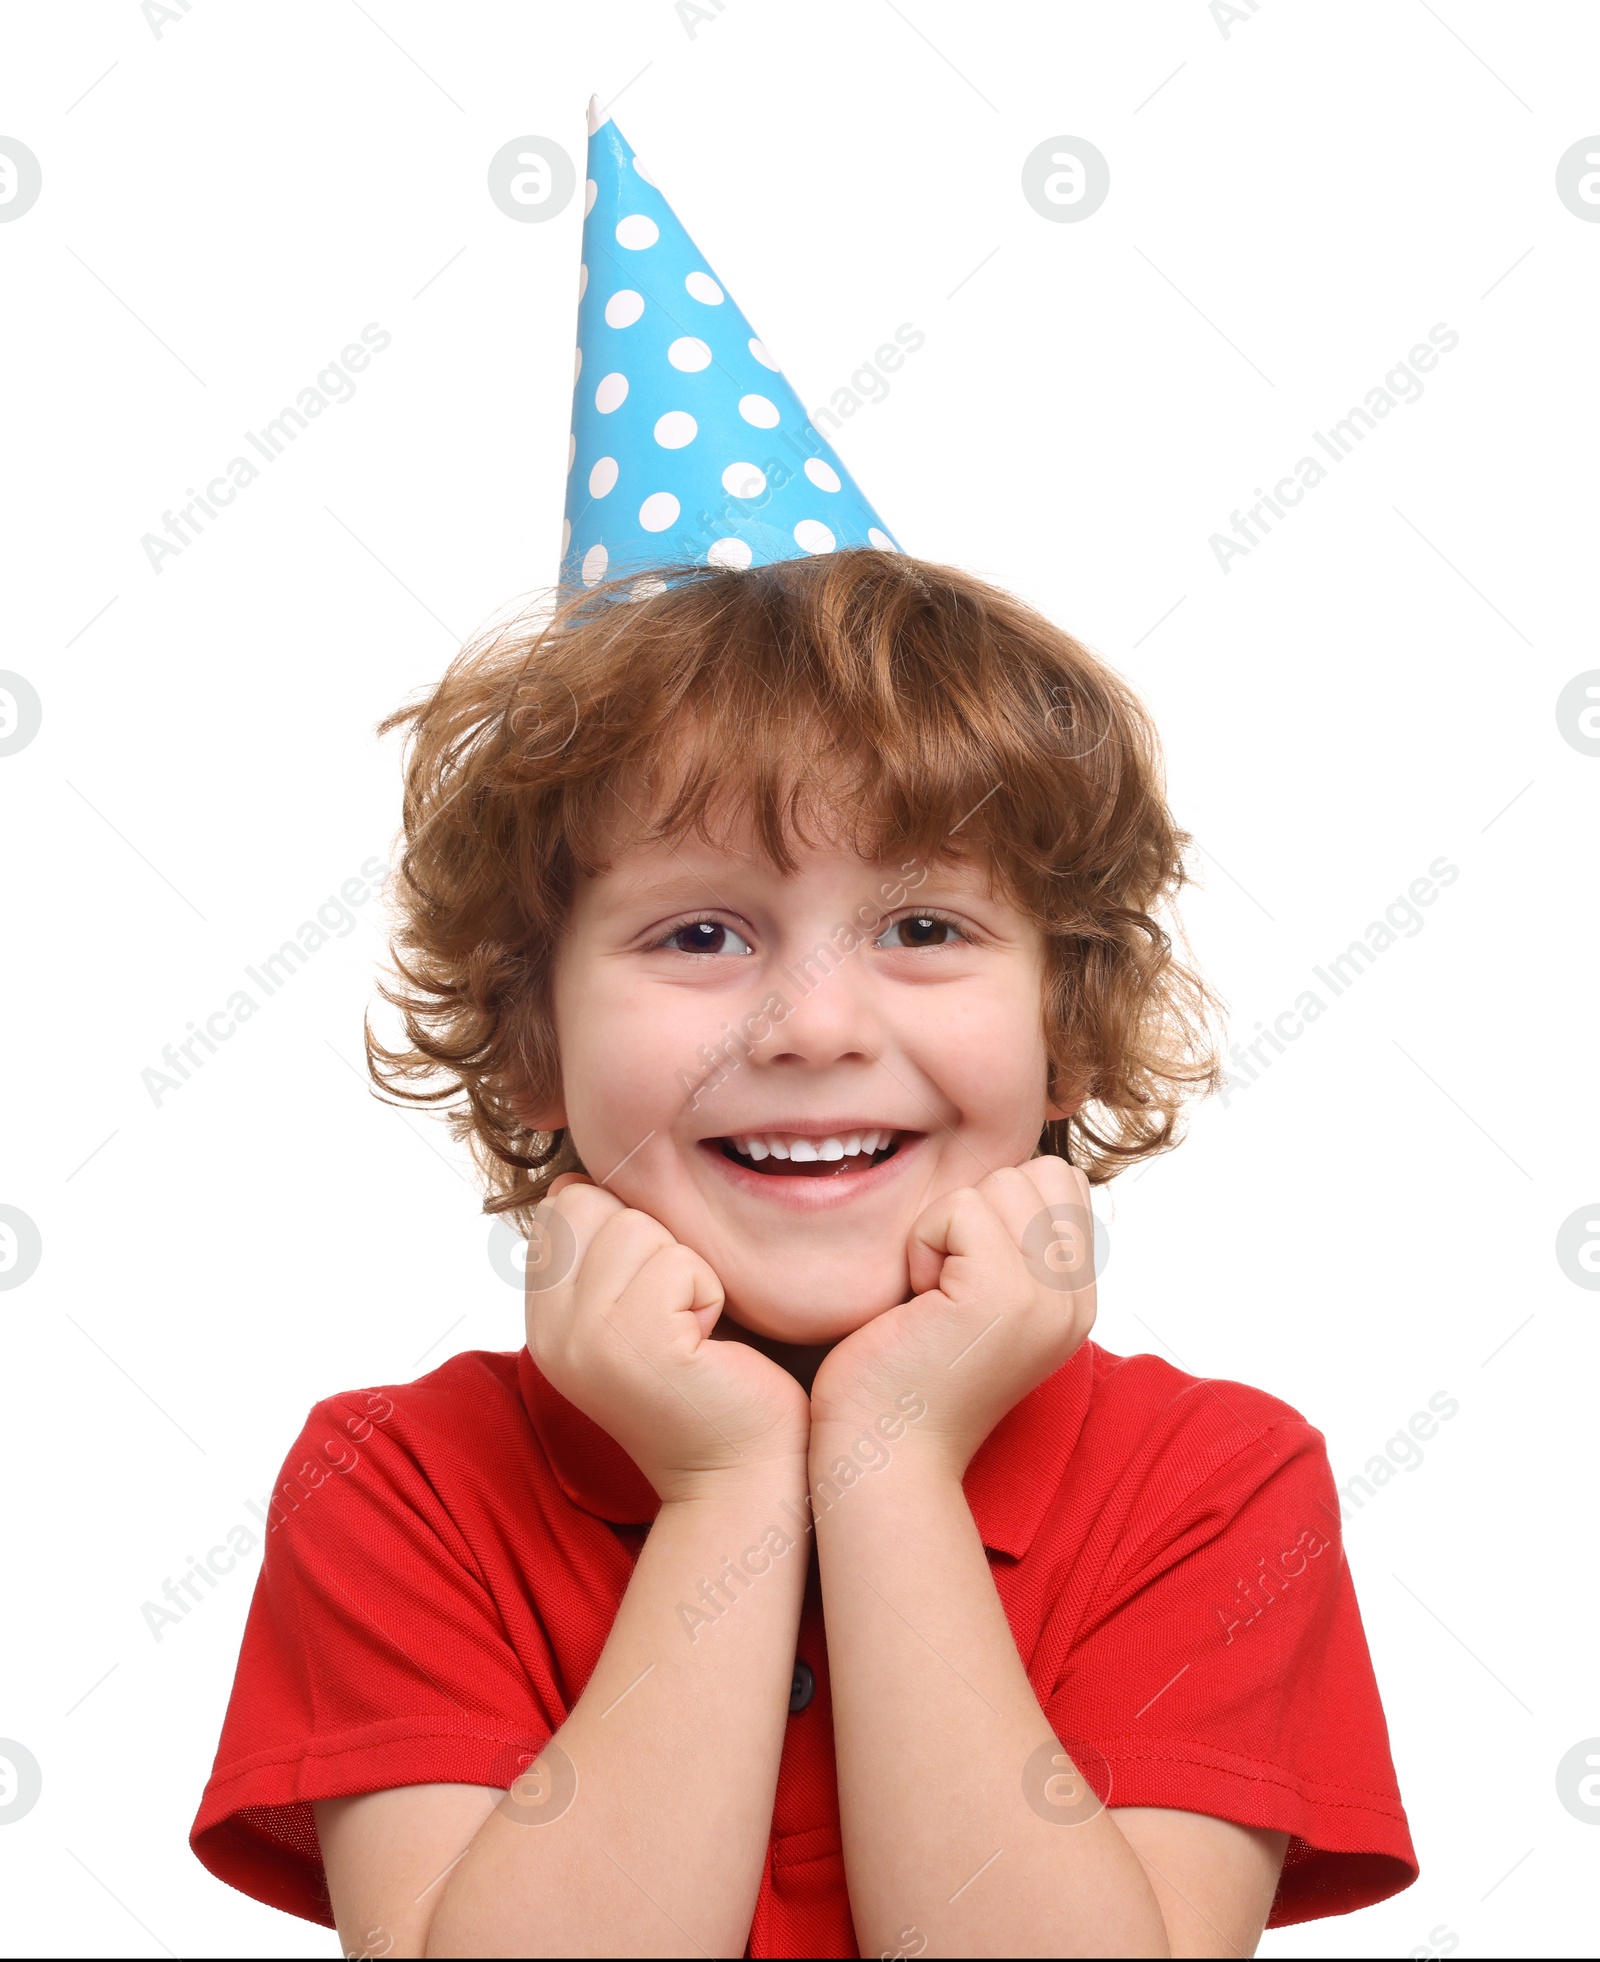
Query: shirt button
{"points": [[802, 1689]]}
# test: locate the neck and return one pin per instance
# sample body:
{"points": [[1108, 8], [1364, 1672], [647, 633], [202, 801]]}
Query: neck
{"points": [[802, 1361]]}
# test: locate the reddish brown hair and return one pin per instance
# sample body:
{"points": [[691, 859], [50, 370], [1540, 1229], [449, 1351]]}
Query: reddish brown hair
{"points": [[931, 714]]}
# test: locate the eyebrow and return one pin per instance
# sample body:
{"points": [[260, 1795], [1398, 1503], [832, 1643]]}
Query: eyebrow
{"points": [[674, 891], [681, 888]]}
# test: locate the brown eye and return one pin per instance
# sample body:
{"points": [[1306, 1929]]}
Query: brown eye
{"points": [[706, 937], [920, 930]]}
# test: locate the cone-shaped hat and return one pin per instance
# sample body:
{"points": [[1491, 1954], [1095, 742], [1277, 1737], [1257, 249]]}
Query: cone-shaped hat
{"points": [[687, 443]]}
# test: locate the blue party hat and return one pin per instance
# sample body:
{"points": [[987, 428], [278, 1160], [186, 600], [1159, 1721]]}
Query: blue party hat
{"points": [[687, 444]]}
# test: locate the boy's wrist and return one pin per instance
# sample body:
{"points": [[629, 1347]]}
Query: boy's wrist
{"points": [[768, 1478], [849, 1456]]}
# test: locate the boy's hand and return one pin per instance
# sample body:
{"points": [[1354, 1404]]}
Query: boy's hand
{"points": [[619, 1319], [1005, 1280]]}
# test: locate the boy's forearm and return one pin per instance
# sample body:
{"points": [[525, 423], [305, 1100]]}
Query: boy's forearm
{"points": [[674, 1744], [935, 1726]]}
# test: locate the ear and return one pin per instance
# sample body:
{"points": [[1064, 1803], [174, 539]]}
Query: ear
{"points": [[541, 1114], [1054, 1111]]}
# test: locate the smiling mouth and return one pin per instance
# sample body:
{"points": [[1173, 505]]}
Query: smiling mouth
{"points": [[781, 1156]]}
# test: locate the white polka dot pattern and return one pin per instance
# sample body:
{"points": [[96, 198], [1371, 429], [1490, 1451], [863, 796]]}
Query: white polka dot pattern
{"points": [[688, 446], [811, 535], [676, 428]]}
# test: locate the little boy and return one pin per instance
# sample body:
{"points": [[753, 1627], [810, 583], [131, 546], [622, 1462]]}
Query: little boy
{"points": [[809, 1571], [809, 1584]]}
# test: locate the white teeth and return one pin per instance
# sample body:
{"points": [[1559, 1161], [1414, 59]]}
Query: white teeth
{"points": [[808, 1151]]}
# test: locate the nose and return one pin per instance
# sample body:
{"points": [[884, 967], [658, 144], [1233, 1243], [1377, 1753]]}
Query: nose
{"points": [[830, 1018]]}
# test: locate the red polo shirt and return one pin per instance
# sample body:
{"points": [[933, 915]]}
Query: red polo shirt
{"points": [[447, 1556]]}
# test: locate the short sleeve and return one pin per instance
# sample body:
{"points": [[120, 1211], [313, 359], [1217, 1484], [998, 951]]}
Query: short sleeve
{"points": [[374, 1656], [1234, 1621]]}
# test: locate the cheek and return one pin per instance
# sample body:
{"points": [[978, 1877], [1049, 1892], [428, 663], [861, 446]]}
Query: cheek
{"points": [[629, 1062], [990, 1061]]}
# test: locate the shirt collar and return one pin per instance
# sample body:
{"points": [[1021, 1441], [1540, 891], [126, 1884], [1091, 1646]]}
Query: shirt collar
{"points": [[589, 1465], [1018, 1469], [1010, 1483]]}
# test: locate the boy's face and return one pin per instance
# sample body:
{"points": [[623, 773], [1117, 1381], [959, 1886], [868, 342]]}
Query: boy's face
{"points": [[712, 1016]]}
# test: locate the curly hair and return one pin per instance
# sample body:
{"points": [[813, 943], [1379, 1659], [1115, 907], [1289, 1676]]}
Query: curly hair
{"points": [[929, 715]]}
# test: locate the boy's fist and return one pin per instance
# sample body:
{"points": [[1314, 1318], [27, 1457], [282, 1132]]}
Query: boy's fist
{"points": [[1004, 1273], [619, 1319]]}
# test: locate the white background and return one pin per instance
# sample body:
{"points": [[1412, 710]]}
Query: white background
{"points": [[1293, 205]]}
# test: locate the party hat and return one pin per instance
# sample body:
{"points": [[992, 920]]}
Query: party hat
{"points": [[687, 443]]}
